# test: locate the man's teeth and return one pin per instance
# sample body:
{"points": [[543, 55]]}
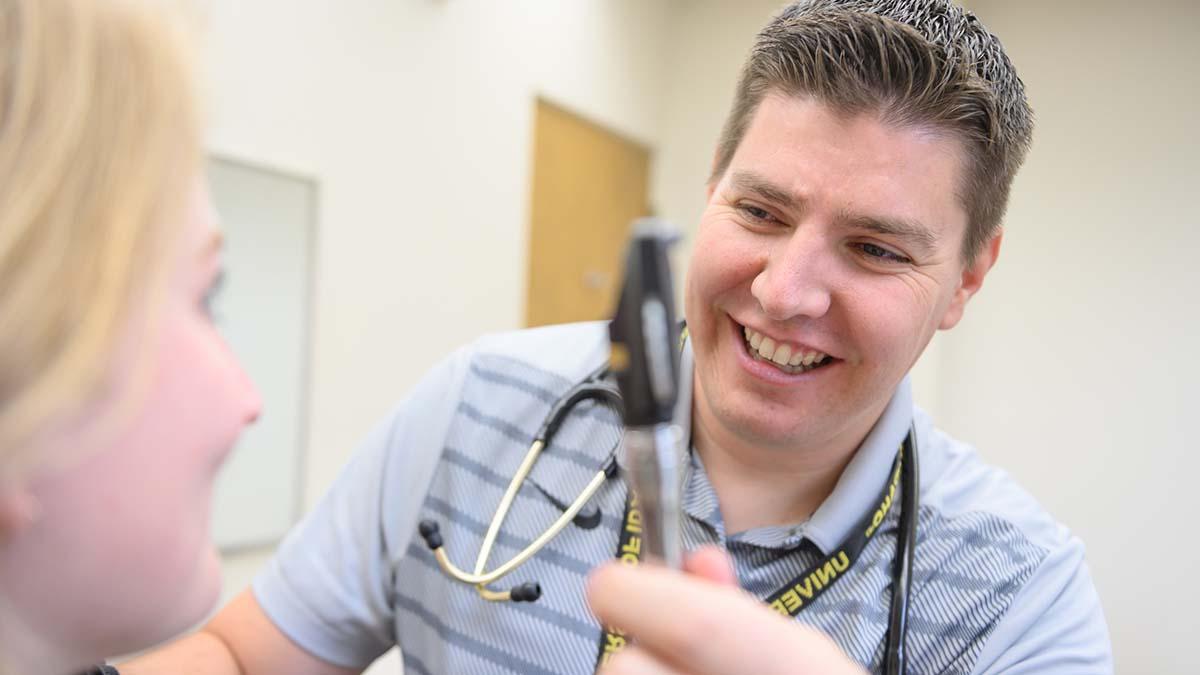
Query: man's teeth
{"points": [[788, 357]]}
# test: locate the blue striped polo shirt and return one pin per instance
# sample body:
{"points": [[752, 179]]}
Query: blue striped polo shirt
{"points": [[998, 585]]}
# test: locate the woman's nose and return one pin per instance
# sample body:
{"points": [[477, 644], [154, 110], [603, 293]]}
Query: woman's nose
{"points": [[251, 398]]}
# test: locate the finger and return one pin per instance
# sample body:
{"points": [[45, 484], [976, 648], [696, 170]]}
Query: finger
{"points": [[679, 619], [635, 661], [704, 628], [713, 564]]}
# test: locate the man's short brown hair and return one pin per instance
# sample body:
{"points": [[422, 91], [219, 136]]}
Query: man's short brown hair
{"points": [[912, 62]]}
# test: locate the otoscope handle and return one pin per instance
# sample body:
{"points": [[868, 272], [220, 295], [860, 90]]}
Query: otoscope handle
{"points": [[655, 478]]}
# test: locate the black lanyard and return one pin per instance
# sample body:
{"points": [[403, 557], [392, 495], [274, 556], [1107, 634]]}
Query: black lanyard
{"points": [[794, 595]]}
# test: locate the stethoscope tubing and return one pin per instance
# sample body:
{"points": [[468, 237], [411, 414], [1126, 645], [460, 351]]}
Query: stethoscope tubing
{"points": [[592, 388]]}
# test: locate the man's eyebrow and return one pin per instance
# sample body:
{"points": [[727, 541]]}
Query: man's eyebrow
{"points": [[752, 182], [910, 231]]}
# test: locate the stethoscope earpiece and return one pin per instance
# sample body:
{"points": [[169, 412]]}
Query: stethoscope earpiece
{"points": [[430, 533], [529, 591]]}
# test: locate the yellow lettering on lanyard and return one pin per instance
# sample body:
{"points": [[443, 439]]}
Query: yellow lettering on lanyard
{"points": [[884, 507], [634, 522], [825, 574], [791, 601], [806, 590], [630, 554], [631, 550], [614, 642]]}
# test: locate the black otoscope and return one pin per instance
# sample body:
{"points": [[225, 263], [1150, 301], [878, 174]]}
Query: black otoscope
{"points": [[645, 359]]}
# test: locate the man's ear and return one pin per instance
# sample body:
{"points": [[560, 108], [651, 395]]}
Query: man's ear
{"points": [[971, 281], [18, 510], [711, 183]]}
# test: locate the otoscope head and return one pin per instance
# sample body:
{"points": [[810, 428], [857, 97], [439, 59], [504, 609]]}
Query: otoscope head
{"points": [[643, 332]]}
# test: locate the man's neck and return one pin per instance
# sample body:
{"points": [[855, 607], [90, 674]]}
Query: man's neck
{"points": [[759, 486]]}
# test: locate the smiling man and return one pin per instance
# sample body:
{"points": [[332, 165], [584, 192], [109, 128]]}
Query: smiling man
{"points": [[854, 208]]}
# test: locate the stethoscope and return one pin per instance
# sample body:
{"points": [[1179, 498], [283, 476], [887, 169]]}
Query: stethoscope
{"points": [[592, 388], [595, 388]]}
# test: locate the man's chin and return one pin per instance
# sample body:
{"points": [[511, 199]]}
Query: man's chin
{"points": [[764, 430]]}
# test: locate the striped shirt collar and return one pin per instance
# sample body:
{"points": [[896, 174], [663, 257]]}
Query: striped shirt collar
{"points": [[858, 489]]}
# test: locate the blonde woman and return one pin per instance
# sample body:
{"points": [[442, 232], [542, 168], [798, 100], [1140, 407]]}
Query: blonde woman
{"points": [[118, 398]]}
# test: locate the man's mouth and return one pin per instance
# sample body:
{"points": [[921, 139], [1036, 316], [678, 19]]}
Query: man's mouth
{"points": [[788, 357]]}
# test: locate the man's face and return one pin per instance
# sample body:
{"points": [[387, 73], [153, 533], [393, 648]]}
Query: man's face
{"points": [[834, 240]]}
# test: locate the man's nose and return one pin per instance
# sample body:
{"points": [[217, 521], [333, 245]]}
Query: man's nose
{"points": [[797, 279]]}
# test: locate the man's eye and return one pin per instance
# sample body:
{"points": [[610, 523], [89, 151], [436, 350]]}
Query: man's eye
{"points": [[876, 252], [756, 214]]}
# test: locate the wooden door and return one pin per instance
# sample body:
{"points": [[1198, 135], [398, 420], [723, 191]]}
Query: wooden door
{"points": [[589, 185]]}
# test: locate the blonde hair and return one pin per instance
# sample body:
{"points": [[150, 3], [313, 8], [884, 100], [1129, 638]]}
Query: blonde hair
{"points": [[99, 141]]}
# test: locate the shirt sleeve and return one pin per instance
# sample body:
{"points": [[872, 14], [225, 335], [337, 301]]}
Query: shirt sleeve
{"points": [[1055, 624], [329, 587]]}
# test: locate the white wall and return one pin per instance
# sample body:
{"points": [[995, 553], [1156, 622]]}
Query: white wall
{"points": [[1077, 367], [415, 118], [709, 42]]}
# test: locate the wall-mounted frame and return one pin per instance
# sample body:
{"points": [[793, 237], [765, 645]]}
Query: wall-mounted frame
{"points": [[269, 218]]}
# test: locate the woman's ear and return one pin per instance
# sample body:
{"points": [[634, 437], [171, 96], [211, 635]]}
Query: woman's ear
{"points": [[18, 510]]}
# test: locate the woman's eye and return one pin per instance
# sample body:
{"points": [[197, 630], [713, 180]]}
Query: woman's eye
{"points": [[209, 301], [877, 252]]}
